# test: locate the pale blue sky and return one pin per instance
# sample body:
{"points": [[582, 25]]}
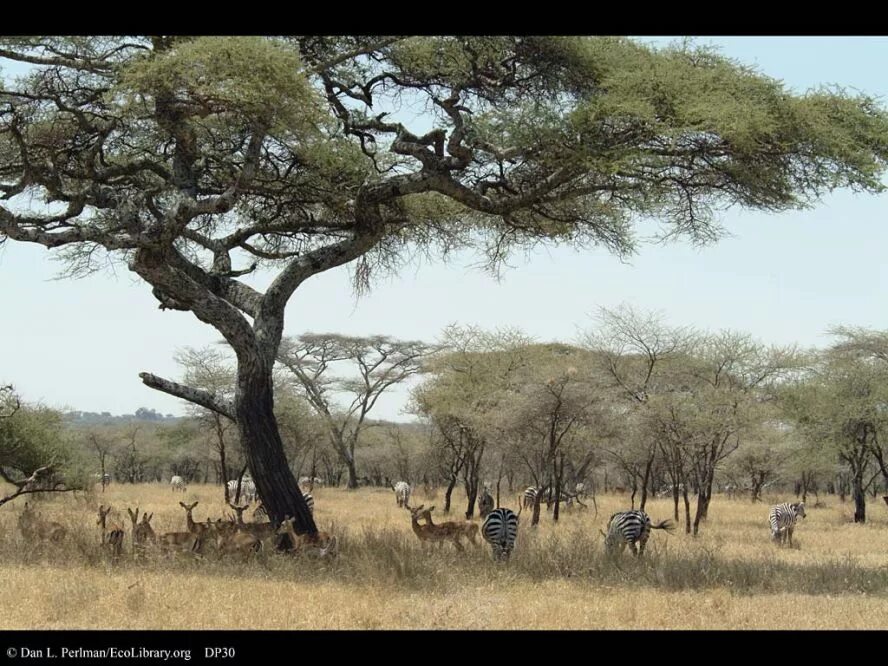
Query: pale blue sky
{"points": [[783, 278]]}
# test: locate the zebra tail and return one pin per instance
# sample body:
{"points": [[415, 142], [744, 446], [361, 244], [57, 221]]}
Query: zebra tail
{"points": [[664, 525]]}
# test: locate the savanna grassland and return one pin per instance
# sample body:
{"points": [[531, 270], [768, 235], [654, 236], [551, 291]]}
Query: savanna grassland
{"points": [[731, 576]]}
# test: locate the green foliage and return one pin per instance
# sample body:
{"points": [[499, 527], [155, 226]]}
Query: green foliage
{"points": [[30, 437], [255, 78]]}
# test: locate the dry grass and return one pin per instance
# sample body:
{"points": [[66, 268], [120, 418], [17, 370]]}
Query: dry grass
{"points": [[729, 577]]}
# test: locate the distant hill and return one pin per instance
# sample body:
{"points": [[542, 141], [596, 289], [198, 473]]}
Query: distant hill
{"points": [[142, 414]]}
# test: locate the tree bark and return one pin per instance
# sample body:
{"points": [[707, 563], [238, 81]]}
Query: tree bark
{"points": [[448, 493], [645, 481], [859, 495], [257, 425], [352, 474]]}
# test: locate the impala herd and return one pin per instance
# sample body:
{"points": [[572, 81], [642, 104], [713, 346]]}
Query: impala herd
{"points": [[233, 535], [226, 536]]}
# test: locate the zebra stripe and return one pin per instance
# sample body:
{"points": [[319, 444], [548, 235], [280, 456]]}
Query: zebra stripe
{"points": [[402, 493], [500, 530], [783, 518], [529, 497], [248, 489], [309, 500], [631, 527]]}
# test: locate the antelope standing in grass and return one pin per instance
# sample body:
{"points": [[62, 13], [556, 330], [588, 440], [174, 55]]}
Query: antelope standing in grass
{"points": [[318, 544], [33, 527], [112, 535]]}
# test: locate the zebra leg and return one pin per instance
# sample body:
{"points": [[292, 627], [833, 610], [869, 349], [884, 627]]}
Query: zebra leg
{"points": [[789, 535], [634, 548]]}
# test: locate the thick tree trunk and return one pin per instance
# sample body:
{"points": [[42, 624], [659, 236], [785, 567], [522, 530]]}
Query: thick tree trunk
{"points": [[261, 439]]}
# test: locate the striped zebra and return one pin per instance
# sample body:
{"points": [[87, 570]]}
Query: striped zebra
{"points": [[402, 493], [782, 519], [527, 498], [500, 530], [177, 483], [310, 501], [631, 527], [247, 491]]}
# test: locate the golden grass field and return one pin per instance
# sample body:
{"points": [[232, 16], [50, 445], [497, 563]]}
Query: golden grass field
{"points": [[559, 577]]}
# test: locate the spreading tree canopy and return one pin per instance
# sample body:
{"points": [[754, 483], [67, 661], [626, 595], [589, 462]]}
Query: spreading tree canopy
{"points": [[198, 159]]}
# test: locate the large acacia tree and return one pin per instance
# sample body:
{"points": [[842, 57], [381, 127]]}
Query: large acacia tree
{"points": [[197, 159]]}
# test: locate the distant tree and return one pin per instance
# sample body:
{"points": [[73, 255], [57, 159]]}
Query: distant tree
{"points": [[377, 363], [196, 159], [103, 448], [32, 454], [209, 370], [840, 404]]}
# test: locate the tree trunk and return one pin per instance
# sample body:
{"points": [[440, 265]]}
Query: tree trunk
{"points": [[559, 473], [352, 474], [675, 496], [535, 519], [702, 509], [264, 450], [645, 481], [223, 466], [448, 493], [859, 501], [687, 505]]}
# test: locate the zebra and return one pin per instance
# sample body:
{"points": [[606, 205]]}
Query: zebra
{"points": [[527, 499], [500, 530], [177, 483], [668, 489], [247, 489], [782, 519], [631, 527], [309, 500], [402, 493], [485, 503]]}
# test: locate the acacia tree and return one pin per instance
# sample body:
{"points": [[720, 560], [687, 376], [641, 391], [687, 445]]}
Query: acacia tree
{"points": [[380, 361], [840, 405], [549, 401], [208, 370], [197, 159], [870, 348], [462, 398], [634, 350], [31, 453], [102, 446]]}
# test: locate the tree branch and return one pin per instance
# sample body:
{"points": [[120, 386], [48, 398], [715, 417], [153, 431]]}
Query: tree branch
{"points": [[196, 396]]}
